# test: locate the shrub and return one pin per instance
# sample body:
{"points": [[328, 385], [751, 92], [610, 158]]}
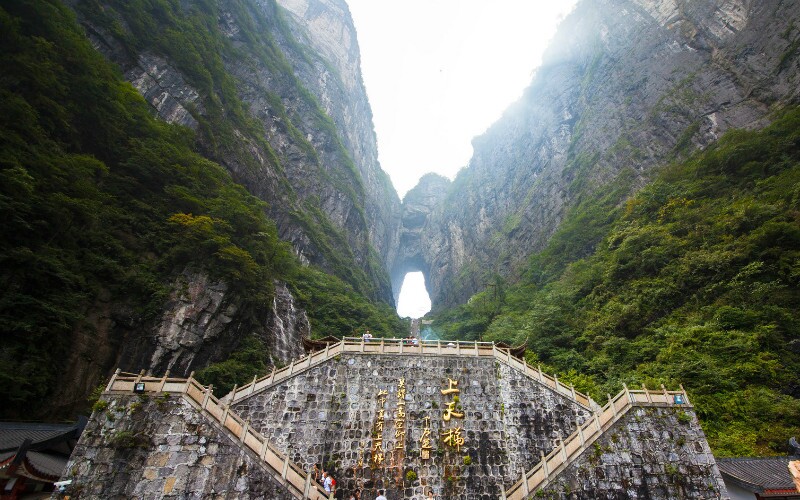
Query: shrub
{"points": [[123, 440], [100, 405]]}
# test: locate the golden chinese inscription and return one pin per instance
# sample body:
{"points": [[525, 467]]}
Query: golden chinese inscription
{"points": [[400, 415], [377, 435], [450, 411], [360, 462], [425, 446], [453, 438], [451, 387]]}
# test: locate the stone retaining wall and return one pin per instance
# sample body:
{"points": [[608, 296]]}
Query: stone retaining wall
{"points": [[327, 415], [153, 447], [650, 453], [500, 423]]}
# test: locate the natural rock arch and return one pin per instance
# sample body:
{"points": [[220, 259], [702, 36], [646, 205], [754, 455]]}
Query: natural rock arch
{"points": [[418, 205]]}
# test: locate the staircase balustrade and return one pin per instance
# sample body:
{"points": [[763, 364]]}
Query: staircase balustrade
{"points": [[588, 432], [287, 473], [406, 347], [538, 477]]}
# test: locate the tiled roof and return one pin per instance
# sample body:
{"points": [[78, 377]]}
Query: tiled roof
{"points": [[51, 465], [758, 474], [39, 466], [12, 434]]}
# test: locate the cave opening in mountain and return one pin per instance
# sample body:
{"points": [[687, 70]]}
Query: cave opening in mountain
{"points": [[414, 301]]}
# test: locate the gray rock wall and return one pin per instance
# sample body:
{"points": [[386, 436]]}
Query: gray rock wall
{"points": [[652, 452], [152, 447], [418, 204], [625, 87], [314, 156], [487, 424], [339, 214], [326, 25], [199, 327], [327, 415]]}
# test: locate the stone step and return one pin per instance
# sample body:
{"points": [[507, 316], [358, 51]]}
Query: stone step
{"points": [[572, 447], [297, 481], [402, 347]]}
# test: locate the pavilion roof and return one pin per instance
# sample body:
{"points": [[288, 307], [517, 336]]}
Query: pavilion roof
{"points": [[37, 450], [759, 475]]}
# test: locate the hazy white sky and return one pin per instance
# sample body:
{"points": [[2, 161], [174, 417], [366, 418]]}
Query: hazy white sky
{"points": [[440, 72], [414, 301]]}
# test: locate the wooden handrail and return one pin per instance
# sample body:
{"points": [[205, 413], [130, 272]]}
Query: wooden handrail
{"points": [[201, 397], [587, 433], [380, 346]]}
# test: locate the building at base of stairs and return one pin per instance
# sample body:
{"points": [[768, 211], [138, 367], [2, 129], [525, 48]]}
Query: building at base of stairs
{"points": [[463, 422]]}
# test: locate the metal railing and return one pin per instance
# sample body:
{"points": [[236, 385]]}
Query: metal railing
{"points": [[407, 347], [571, 447], [297, 481]]}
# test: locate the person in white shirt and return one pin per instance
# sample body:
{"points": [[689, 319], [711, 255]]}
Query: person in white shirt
{"points": [[380, 496], [325, 481]]}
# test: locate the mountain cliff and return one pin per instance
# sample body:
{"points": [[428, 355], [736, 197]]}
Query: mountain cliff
{"points": [[620, 223], [327, 28], [626, 87], [277, 99], [249, 213], [193, 186], [418, 205]]}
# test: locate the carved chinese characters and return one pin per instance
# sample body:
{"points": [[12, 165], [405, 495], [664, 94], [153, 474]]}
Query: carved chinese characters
{"points": [[400, 415], [425, 446], [452, 437], [377, 435]]}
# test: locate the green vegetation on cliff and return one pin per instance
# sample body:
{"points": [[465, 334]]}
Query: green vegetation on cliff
{"points": [[694, 280], [103, 206], [191, 36]]}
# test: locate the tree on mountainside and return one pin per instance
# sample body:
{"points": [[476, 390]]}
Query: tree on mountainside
{"points": [[696, 280]]}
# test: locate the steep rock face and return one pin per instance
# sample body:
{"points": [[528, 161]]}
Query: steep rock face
{"points": [[335, 79], [418, 205], [306, 147], [200, 324], [315, 159], [160, 83], [288, 325], [625, 87]]}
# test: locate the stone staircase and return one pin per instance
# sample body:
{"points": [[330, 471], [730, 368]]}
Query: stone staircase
{"points": [[298, 482], [403, 347], [572, 447]]}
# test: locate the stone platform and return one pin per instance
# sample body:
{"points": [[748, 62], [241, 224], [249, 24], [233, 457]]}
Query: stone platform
{"points": [[466, 421]]}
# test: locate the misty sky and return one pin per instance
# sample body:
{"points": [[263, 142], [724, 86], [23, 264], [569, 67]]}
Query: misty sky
{"points": [[440, 72]]}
